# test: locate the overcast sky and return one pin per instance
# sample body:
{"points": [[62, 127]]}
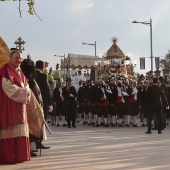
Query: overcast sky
{"points": [[67, 23]]}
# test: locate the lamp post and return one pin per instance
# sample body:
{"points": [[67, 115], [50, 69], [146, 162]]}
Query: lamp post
{"points": [[64, 63], [93, 71], [92, 45], [148, 23]]}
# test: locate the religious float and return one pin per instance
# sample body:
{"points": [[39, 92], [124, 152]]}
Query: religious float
{"points": [[114, 65]]}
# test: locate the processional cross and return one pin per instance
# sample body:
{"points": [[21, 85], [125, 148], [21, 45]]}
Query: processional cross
{"points": [[19, 42]]}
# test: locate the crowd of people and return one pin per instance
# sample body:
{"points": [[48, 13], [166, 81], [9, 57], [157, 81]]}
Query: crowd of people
{"points": [[31, 97], [118, 103]]}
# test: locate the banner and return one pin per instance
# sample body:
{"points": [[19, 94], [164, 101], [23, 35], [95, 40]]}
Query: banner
{"points": [[142, 63], [157, 60]]}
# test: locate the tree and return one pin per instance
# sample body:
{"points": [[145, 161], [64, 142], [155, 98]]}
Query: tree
{"points": [[165, 63], [31, 9]]}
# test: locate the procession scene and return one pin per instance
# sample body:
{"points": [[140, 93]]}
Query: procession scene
{"points": [[117, 98], [96, 112]]}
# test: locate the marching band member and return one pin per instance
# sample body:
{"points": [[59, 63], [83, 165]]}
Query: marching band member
{"points": [[90, 101], [59, 103], [119, 102], [143, 102], [102, 97], [69, 94], [85, 102], [80, 99], [132, 107], [113, 110]]}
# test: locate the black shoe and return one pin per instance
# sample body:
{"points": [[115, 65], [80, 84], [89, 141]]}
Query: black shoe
{"points": [[33, 154], [102, 124], [74, 126], [92, 123], [113, 125], [84, 123], [127, 125], [121, 125], [159, 132], [36, 150], [42, 147], [107, 125], [64, 125], [58, 124], [78, 121], [148, 132], [97, 125], [143, 125], [135, 125]]}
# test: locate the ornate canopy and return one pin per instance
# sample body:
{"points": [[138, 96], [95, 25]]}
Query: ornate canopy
{"points": [[114, 51]]}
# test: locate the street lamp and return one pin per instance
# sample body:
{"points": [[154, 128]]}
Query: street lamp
{"points": [[92, 45], [148, 23], [64, 63]]}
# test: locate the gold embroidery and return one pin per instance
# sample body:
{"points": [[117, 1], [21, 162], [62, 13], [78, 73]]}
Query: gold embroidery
{"points": [[14, 131], [20, 96], [35, 116]]}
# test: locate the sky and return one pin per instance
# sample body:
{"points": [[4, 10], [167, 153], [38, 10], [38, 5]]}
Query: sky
{"points": [[66, 24]]}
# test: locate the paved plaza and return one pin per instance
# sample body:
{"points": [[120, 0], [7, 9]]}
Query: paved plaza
{"points": [[103, 148]]}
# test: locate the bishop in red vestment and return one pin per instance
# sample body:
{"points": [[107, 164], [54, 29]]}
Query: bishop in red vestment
{"points": [[14, 95]]}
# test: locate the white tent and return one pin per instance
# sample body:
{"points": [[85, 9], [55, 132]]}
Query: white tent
{"points": [[74, 61]]}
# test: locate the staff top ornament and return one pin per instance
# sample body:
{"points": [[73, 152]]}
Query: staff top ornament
{"points": [[114, 40]]}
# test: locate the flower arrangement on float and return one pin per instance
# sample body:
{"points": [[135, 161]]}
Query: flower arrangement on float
{"points": [[116, 77], [115, 70]]}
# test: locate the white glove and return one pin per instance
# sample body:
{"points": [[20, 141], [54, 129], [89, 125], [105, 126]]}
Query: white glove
{"points": [[135, 92], [125, 94], [109, 91], [167, 107], [71, 95], [50, 108]]}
